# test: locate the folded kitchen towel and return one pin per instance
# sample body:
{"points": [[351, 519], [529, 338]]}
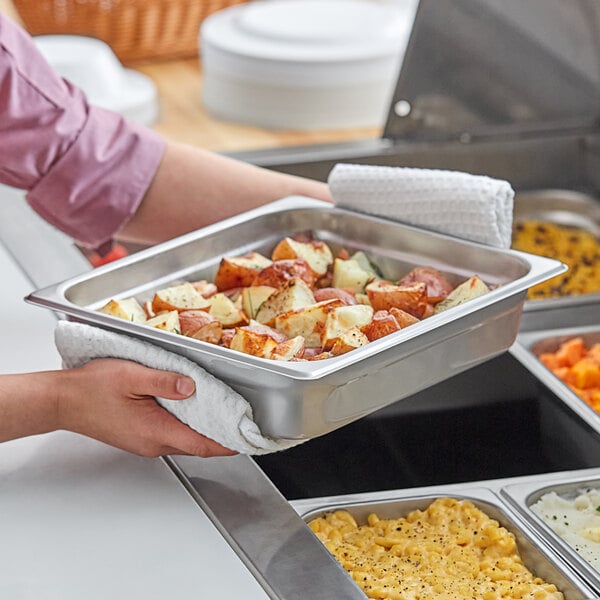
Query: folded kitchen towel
{"points": [[215, 410], [473, 207]]}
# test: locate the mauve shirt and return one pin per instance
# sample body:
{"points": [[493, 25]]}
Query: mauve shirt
{"points": [[85, 169]]}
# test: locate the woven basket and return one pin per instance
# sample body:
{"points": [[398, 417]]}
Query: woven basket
{"points": [[136, 30]]}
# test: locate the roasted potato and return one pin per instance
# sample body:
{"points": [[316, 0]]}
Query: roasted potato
{"points": [[308, 321], [316, 253], [239, 271], [327, 293], [469, 289], [438, 286], [253, 297], [341, 319], [257, 340], [349, 340], [167, 321], [179, 297], [128, 309], [382, 324], [384, 295], [223, 309], [289, 349], [200, 325], [349, 274], [294, 294], [282, 271], [206, 288], [403, 318]]}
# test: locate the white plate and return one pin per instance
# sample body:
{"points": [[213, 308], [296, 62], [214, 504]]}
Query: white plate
{"points": [[91, 65]]}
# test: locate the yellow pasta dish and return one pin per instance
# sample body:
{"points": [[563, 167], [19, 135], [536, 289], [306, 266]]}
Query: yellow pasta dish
{"points": [[450, 551], [577, 248]]}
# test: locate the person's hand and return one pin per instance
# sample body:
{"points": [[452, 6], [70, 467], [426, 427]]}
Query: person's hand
{"points": [[113, 401]]}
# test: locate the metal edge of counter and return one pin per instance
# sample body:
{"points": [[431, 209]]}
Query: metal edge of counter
{"points": [[263, 529]]}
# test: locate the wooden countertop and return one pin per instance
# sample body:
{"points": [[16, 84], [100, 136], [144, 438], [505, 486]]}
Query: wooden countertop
{"points": [[183, 117]]}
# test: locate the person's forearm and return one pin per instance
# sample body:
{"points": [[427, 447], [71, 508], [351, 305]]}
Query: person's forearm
{"points": [[28, 404], [193, 188]]}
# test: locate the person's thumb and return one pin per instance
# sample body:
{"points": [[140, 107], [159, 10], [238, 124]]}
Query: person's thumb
{"points": [[164, 384]]}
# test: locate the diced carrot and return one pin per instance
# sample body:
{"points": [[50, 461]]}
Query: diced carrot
{"points": [[562, 372], [549, 360], [586, 374], [594, 353], [571, 351]]}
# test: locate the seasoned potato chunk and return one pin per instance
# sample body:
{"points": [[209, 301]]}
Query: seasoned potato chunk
{"points": [[316, 253], [292, 295]]}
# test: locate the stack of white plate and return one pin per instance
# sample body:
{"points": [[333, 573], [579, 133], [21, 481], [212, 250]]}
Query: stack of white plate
{"points": [[91, 65], [305, 64]]}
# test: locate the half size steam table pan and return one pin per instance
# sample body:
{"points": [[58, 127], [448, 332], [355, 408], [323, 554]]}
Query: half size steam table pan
{"points": [[535, 553], [531, 344], [299, 400], [567, 208], [523, 495]]}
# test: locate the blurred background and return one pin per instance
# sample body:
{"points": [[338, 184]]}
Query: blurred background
{"points": [[159, 40]]}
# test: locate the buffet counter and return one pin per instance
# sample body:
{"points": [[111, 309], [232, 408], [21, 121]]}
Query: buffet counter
{"points": [[80, 519]]}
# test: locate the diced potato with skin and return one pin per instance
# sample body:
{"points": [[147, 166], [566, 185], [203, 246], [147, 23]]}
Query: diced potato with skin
{"points": [[200, 325], [179, 297], [349, 274], [403, 318], [167, 321], [256, 340], [472, 288], [206, 288], [293, 295], [289, 349], [223, 309], [280, 272], [327, 293], [349, 340], [239, 271], [309, 321], [278, 336], [384, 295], [254, 296], [316, 253], [343, 318], [382, 324], [227, 336], [438, 286], [128, 309]]}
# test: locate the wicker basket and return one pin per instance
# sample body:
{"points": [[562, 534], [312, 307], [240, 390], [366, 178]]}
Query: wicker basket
{"points": [[136, 30]]}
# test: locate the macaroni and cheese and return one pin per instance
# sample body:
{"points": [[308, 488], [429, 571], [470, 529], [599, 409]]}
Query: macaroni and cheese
{"points": [[449, 551]]}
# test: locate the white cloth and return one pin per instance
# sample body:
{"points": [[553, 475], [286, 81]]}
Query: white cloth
{"points": [[215, 410], [473, 207]]}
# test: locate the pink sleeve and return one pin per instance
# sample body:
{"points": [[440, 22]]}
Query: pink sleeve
{"points": [[86, 169]]}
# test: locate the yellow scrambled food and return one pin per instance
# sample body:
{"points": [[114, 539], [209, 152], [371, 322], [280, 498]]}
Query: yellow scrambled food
{"points": [[577, 248], [452, 550]]}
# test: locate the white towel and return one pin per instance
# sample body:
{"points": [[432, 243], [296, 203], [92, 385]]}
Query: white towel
{"points": [[473, 207], [215, 410]]}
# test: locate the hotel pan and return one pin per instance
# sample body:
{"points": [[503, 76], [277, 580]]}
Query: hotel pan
{"points": [[523, 495], [568, 208], [300, 400], [535, 553], [531, 344]]}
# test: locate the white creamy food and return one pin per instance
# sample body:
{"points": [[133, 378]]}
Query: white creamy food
{"points": [[576, 520]]}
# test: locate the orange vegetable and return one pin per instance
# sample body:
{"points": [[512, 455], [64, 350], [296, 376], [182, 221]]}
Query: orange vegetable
{"points": [[578, 367]]}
